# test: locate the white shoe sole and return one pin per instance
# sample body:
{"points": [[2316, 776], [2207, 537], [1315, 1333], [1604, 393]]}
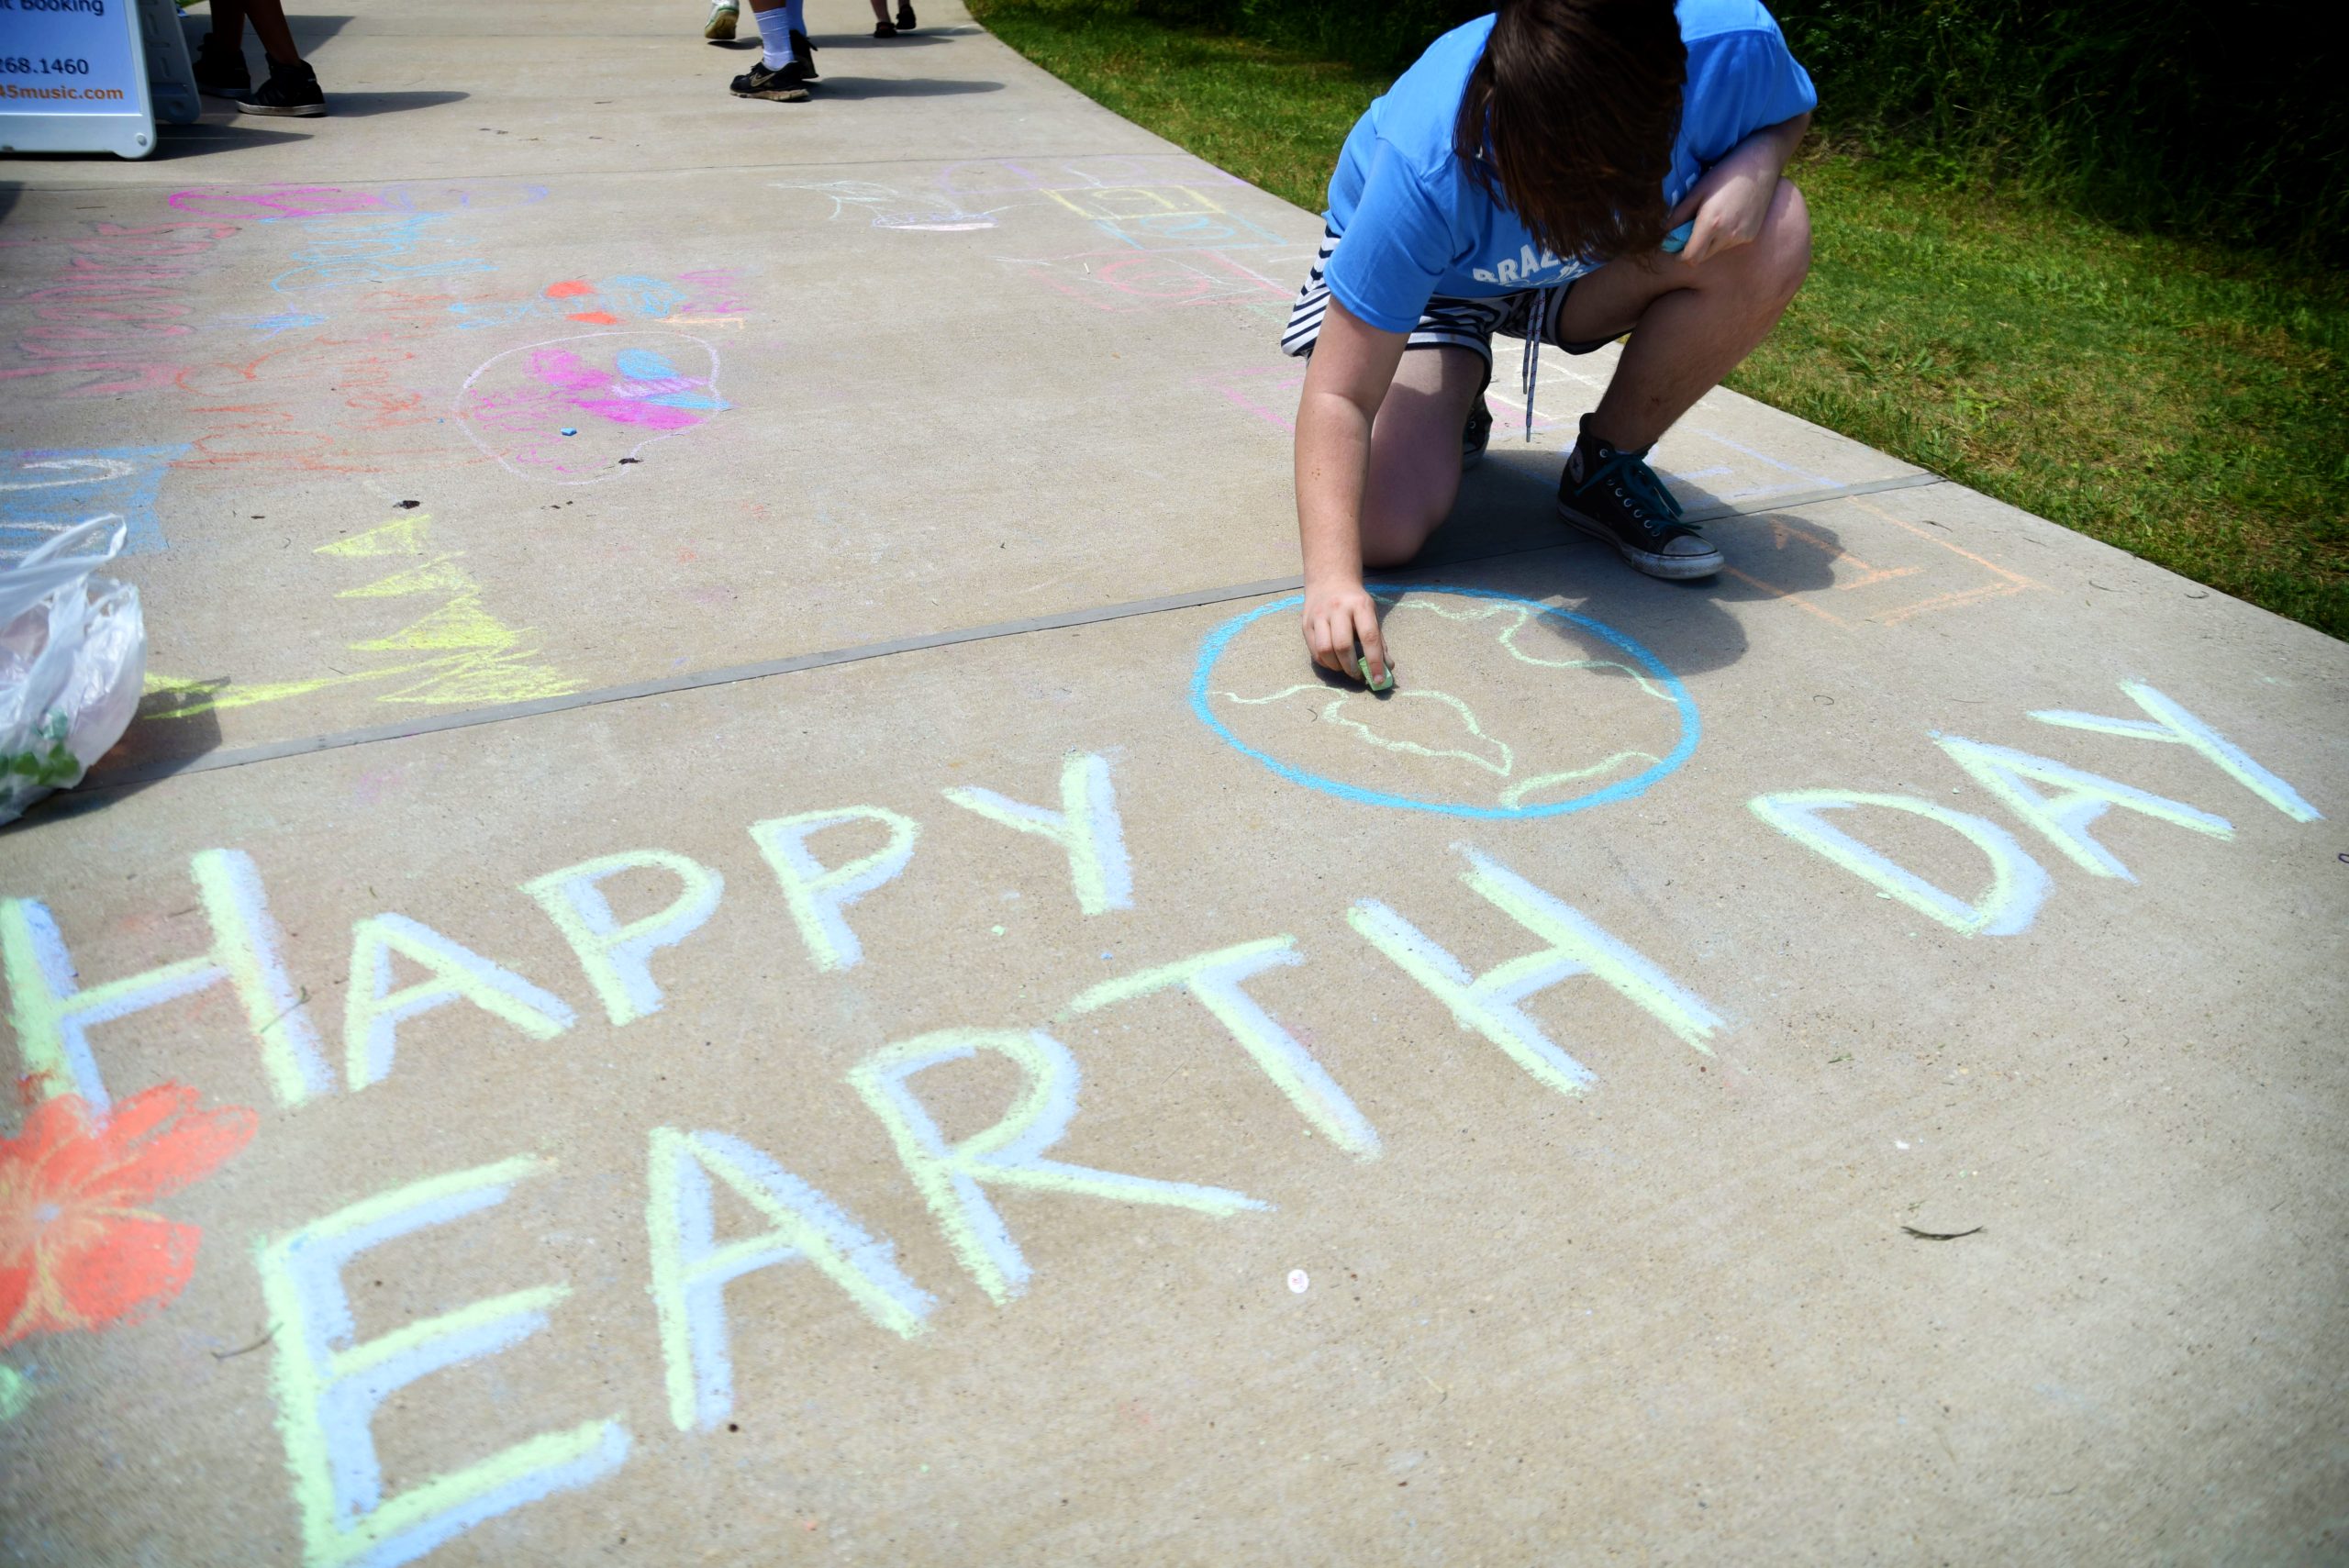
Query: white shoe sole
{"points": [[1672, 567]]}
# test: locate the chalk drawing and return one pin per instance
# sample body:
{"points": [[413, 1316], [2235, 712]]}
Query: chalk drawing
{"points": [[952, 1177], [612, 302], [618, 958], [273, 204], [1626, 723], [1123, 281], [1488, 1004], [2019, 884], [373, 1011], [329, 1388], [621, 391], [285, 321], [818, 895], [347, 250], [1854, 574], [936, 212], [2007, 775], [1086, 827], [106, 320], [457, 652], [1267, 392], [278, 204], [15, 1394], [691, 1269], [53, 1014], [45, 492], [82, 1248], [1213, 980], [2173, 724]]}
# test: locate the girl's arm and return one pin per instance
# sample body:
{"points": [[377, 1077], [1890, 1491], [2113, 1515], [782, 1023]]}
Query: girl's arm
{"points": [[1346, 381], [1730, 202]]}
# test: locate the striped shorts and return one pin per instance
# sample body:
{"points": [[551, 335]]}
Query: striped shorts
{"points": [[1447, 323]]}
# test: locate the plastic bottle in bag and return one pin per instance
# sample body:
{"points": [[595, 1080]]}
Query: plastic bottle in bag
{"points": [[72, 662]]}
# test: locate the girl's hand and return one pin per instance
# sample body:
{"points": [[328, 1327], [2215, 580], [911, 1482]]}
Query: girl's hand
{"points": [[1727, 205], [1337, 616], [1730, 202]]}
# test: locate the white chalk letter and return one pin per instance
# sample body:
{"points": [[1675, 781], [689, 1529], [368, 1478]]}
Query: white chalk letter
{"points": [[1086, 827], [818, 894], [329, 1388], [53, 1014], [2017, 883], [618, 958], [1011, 1153], [1214, 978], [2007, 775], [2171, 723], [691, 1270], [373, 1012], [1488, 1003]]}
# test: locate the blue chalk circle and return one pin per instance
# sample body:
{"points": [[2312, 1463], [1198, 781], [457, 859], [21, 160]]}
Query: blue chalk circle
{"points": [[568, 430], [1442, 738], [45, 492]]}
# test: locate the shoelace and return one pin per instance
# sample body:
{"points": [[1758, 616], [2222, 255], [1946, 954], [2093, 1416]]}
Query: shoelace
{"points": [[1636, 477]]}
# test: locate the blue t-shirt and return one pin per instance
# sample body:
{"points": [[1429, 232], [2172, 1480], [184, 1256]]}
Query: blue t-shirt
{"points": [[1415, 223]]}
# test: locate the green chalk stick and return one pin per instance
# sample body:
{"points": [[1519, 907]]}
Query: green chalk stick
{"points": [[1375, 685]]}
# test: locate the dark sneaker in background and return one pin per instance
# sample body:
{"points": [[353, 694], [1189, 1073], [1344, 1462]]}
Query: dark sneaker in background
{"points": [[292, 89], [220, 72], [788, 85], [905, 16], [884, 30], [1615, 497], [805, 54], [1477, 435]]}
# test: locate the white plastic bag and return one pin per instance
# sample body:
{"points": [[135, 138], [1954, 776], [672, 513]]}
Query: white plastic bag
{"points": [[73, 662]]}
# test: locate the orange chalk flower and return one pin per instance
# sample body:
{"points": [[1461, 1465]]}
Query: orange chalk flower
{"points": [[79, 1246]]}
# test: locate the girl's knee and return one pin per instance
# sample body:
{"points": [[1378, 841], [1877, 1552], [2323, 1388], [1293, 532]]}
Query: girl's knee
{"points": [[1785, 241], [1392, 540]]}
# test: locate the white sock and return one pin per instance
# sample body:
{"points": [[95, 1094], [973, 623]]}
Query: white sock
{"points": [[774, 32]]}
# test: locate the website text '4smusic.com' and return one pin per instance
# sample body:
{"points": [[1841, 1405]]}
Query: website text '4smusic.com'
{"points": [[53, 78]]}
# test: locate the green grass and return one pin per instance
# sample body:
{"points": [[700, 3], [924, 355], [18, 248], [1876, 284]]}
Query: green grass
{"points": [[2183, 402]]}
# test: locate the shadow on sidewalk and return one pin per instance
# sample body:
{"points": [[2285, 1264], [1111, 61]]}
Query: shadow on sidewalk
{"points": [[896, 87]]}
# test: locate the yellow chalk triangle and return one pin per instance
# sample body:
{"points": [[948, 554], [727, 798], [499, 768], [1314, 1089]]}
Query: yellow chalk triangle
{"points": [[488, 678], [441, 576], [402, 536], [459, 624]]}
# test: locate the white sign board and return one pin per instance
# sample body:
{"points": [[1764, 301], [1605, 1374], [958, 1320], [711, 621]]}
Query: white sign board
{"points": [[73, 75]]}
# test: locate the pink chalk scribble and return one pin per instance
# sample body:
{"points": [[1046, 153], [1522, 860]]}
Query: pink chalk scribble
{"points": [[571, 409], [1270, 393]]}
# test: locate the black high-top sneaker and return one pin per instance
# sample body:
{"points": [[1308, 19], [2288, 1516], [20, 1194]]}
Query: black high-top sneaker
{"points": [[905, 16], [1476, 435], [219, 70], [786, 85], [292, 89], [804, 54], [1615, 497]]}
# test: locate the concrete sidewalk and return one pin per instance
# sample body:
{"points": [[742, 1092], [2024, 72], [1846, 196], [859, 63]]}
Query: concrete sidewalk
{"points": [[737, 932]]}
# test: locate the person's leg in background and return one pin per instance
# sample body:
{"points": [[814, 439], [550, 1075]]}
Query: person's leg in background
{"points": [[882, 27], [796, 15], [292, 87], [779, 76]]}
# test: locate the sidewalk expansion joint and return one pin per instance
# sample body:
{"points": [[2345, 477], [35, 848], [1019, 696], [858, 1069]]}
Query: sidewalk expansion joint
{"points": [[304, 746]]}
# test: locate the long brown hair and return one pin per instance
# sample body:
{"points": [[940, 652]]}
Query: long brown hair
{"points": [[1569, 119]]}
